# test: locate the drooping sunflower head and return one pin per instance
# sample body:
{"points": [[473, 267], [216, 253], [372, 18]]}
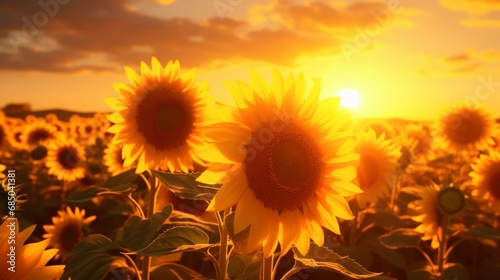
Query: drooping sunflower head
{"points": [[377, 165], [465, 127], [485, 176], [429, 216], [284, 159], [160, 116], [434, 204], [38, 131], [113, 159], [65, 159], [67, 229], [419, 138], [31, 258]]}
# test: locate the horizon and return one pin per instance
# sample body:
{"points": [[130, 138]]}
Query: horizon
{"points": [[405, 59]]}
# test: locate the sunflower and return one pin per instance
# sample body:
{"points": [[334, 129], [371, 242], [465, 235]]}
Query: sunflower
{"points": [[464, 127], [485, 176], [377, 165], [3, 132], [430, 217], [434, 204], [2, 169], [31, 259], [380, 127], [14, 137], [65, 160], [284, 161], [67, 229], [160, 117], [113, 159], [38, 131], [418, 136]]}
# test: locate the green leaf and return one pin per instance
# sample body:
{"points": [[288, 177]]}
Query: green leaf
{"points": [[92, 192], [383, 218], [391, 256], [138, 232], [401, 238], [174, 271], [483, 232], [177, 239], [421, 274], [186, 186], [454, 271], [92, 259], [121, 179], [244, 267], [321, 257]]}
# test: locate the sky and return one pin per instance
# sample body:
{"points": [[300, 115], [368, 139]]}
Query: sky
{"points": [[406, 58]]}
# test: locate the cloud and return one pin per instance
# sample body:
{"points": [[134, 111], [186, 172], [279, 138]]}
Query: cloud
{"points": [[75, 35], [470, 62], [478, 7]]}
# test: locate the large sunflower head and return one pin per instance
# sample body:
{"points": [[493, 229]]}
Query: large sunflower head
{"points": [[30, 259], [377, 165], [486, 178], [284, 160], [65, 159], [113, 159], [465, 127], [159, 117], [67, 229], [38, 131]]}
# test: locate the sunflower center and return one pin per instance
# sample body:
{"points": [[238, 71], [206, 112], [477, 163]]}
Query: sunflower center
{"points": [[451, 200], [283, 168], [368, 171], [68, 158], [70, 235], [465, 129], [38, 135], [165, 118], [494, 187], [88, 129]]}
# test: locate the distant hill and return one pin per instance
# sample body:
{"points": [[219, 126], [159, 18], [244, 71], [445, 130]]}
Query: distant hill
{"points": [[62, 115]]}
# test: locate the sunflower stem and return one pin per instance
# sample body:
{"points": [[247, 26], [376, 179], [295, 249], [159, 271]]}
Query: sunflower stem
{"points": [[223, 245], [267, 268], [153, 187], [442, 244], [275, 268]]}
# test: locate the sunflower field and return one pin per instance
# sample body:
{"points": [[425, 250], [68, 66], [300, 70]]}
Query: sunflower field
{"points": [[174, 184]]}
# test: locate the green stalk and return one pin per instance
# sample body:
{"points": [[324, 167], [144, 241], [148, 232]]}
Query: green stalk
{"points": [[153, 187], [443, 243], [223, 245], [266, 269]]}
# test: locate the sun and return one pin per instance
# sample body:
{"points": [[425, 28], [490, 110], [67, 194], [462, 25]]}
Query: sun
{"points": [[350, 98]]}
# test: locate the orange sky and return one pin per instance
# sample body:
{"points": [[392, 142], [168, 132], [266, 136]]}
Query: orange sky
{"points": [[407, 58]]}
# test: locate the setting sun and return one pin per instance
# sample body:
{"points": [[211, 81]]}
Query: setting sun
{"points": [[350, 98]]}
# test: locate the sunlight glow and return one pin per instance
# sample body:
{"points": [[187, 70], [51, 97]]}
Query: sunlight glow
{"points": [[350, 98]]}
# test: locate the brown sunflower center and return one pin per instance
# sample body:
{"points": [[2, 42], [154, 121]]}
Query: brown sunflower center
{"points": [[165, 118], [494, 186], [89, 129], [68, 158], [38, 135], [368, 171], [70, 235], [2, 135], [464, 129], [451, 200], [283, 168]]}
